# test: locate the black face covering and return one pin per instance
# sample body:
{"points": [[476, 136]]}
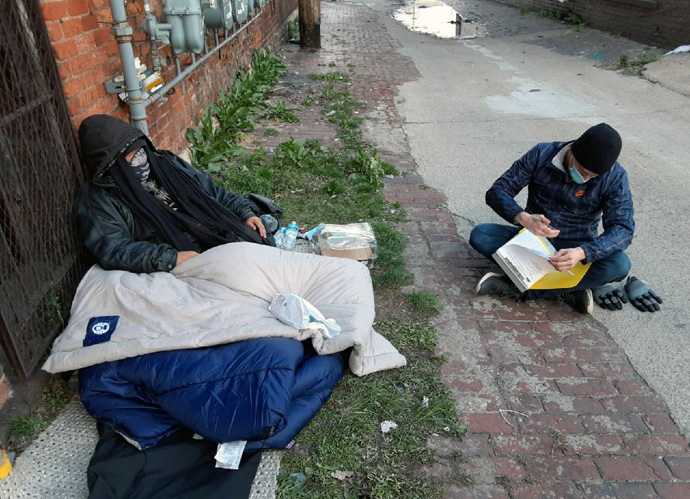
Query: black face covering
{"points": [[199, 223]]}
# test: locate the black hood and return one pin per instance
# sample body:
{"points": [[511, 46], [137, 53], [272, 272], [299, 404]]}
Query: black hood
{"points": [[103, 138]]}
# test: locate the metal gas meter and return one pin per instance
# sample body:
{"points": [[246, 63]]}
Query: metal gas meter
{"points": [[240, 9], [186, 20], [218, 14]]}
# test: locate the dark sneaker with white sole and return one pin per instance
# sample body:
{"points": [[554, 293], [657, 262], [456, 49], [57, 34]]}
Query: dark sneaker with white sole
{"points": [[581, 301], [496, 283]]}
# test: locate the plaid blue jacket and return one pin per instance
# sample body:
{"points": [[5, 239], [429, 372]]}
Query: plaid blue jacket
{"points": [[572, 208]]}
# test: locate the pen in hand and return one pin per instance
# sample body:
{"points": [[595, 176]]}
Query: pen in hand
{"points": [[538, 219]]}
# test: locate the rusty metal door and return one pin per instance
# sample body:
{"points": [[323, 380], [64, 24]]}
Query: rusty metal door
{"points": [[41, 259]]}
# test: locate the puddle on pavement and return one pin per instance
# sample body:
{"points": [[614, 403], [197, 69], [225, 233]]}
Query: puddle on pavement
{"points": [[436, 18]]}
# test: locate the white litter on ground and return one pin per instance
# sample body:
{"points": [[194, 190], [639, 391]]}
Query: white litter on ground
{"points": [[387, 426]]}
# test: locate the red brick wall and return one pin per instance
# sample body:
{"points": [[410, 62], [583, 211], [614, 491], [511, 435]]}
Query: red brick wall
{"points": [[662, 23], [87, 56]]}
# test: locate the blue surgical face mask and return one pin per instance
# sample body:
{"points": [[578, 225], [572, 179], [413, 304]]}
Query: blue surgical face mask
{"points": [[576, 176]]}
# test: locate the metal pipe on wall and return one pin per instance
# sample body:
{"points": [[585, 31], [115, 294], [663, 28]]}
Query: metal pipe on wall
{"points": [[161, 91], [123, 35]]}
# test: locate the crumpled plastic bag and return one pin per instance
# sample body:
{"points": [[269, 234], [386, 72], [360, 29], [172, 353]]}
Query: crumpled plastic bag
{"points": [[297, 312]]}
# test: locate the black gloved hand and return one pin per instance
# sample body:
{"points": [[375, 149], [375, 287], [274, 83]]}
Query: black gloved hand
{"points": [[610, 296], [642, 296]]}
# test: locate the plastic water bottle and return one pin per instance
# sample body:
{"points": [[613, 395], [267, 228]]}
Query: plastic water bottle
{"points": [[280, 238], [270, 223], [291, 232]]}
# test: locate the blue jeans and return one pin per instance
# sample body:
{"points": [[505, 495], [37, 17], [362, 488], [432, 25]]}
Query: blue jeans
{"points": [[487, 238]]}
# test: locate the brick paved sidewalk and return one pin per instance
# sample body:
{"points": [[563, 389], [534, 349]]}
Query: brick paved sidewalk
{"points": [[553, 406]]}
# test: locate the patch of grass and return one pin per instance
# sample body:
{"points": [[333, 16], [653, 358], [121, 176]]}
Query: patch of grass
{"points": [[390, 270], [25, 428], [568, 19], [21, 431], [636, 65], [333, 75], [55, 396], [308, 102], [383, 465], [424, 303], [271, 132]]}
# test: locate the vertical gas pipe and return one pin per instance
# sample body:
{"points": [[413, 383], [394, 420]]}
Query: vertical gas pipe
{"points": [[123, 34]]}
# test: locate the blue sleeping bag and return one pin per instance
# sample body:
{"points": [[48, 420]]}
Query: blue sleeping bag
{"points": [[261, 390]]}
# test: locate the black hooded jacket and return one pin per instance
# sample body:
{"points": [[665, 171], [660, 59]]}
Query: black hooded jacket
{"points": [[118, 239]]}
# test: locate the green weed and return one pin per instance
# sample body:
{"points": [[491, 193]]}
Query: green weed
{"points": [[271, 132], [636, 65], [569, 19], [214, 142], [423, 303], [281, 112], [293, 30], [390, 270], [332, 76], [24, 429]]}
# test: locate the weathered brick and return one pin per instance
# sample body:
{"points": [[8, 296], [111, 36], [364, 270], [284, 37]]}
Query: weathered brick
{"points": [[605, 369], [580, 405], [508, 467], [525, 403], [72, 27], [632, 469], [627, 404], [593, 445], [657, 445], [555, 370], [679, 466], [486, 423], [660, 423], [612, 490], [65, 50], [77, 7], [547, 490], [673, 490], [89, 22], [565, 354], [516, 445], [554, 468], [475, 445], [614, 423], [632, 387], [586, 386], [54, 11], [467, 384], [546, 423]]}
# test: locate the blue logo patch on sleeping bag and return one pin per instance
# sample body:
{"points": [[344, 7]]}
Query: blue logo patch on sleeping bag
{"points": [[100, 329]]}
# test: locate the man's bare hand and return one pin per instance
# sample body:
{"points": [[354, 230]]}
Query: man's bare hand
{"points": [[256, 224], [183, 256], [567, 258], [537, 224]]}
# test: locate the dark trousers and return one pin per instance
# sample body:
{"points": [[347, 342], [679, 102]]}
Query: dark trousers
{"points": [[487, 238]]}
